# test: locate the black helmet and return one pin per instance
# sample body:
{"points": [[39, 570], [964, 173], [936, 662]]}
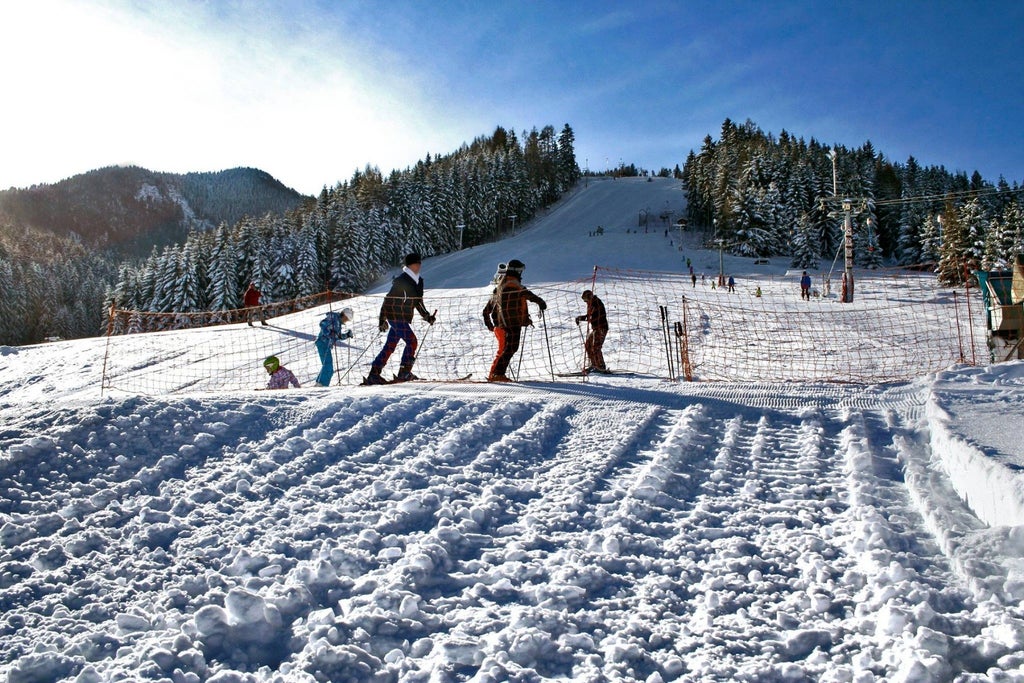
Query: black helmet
{"points": [[515, 267]]}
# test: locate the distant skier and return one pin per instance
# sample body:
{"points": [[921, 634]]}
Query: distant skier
{"points": [[280, 376], [506, 313], [732, 284], [597, 318], [805, 286], [251, 301], [331, 331], [404, 297]]}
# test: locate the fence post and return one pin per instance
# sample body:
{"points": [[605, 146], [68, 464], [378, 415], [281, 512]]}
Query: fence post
{"points": [[970, 318], [547, 340], [106, 350], [959, 331], [684, 345]]}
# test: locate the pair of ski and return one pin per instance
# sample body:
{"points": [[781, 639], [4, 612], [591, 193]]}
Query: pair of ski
{"points": [[588, 373], [396, 380]]}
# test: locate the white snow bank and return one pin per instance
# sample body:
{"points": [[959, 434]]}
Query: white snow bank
{"points": [[974, 419]]}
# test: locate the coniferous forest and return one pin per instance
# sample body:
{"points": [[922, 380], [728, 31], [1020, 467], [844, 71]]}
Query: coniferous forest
{"points": [[353, 233], [751, 192], [761, 195], [344, 239]]}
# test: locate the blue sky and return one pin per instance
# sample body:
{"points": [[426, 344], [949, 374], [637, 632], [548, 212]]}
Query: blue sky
{"points": [[311, 91]]}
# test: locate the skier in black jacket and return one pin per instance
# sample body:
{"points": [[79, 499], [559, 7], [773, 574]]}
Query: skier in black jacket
{"points": [[405, 296]]}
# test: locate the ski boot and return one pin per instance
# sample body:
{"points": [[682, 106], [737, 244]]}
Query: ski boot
{"points": [[373, 378], [405, 374]]}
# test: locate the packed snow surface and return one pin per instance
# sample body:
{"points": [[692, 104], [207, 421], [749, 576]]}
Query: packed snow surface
{"points": [[618, 529]]}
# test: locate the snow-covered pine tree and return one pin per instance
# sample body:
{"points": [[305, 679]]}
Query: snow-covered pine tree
{"points": [[311, 253], [224, 294], [165, 279], [568, 168], [805, 247], [1000, 241], [188, 294], [974, 218], [952, 247]]}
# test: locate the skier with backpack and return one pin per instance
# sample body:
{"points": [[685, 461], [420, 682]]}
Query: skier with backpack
{"points": [[331, 331], [506, 313]]}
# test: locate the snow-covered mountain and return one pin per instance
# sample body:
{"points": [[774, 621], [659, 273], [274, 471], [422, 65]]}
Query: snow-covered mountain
{"points": [[130, 210], [621, 529]]}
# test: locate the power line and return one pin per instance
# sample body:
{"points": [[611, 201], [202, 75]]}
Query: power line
{"points": [[963, 194]]}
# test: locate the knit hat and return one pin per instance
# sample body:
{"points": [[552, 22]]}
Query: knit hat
{"points": [[587, 294], [412, 258]]}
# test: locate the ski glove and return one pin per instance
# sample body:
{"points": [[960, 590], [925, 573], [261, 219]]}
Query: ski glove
{"points": [[346, 335], [432, 319], [580, 318], [383, 327]]}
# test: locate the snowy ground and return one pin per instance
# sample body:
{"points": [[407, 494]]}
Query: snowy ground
{"points": [[623, 529]]}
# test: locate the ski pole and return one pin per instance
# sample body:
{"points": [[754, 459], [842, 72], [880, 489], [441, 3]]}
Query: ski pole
{"points": [[334, 348], [423, 342], [547, 340], [522, 351], [584, 340], [665, 338], [376, 340]]}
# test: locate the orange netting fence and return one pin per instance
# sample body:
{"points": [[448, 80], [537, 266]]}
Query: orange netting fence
{"points": [[901, 325]]}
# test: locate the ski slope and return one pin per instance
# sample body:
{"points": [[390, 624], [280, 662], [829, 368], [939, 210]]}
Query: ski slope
{"points": [[623, 529]]}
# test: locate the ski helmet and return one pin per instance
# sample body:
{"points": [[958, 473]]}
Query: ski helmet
{"points": [[347, 314], [271, 363], [499, 273], [515, 267]]}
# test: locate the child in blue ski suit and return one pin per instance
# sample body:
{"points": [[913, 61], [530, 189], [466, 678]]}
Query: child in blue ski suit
{"points": [[330, 332]]}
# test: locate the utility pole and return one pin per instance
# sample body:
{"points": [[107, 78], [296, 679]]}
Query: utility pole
{"points": [[847, 206], [721, 262], [832, 156], [848, 273]]}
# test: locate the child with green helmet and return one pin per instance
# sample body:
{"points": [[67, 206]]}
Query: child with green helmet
{"points": [[280, 376]]}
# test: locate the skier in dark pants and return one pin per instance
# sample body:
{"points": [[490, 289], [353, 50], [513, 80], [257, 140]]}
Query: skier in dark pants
{"points": [[405, 296], [506, 314], [597, 317]]}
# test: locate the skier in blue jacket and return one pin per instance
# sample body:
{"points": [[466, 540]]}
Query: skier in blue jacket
{"points": [[331, 330]]}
